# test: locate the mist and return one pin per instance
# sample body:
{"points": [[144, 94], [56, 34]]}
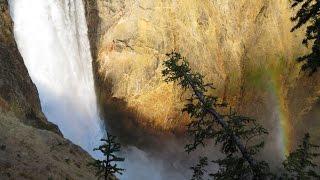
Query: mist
{"points": [[52, 38]]}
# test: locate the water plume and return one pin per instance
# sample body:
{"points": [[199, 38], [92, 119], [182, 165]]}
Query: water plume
{"points": [[52, 38]]}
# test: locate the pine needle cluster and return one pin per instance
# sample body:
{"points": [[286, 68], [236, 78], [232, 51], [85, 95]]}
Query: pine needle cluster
{"points": [[308, 15], [107, 168], [238, 136]]}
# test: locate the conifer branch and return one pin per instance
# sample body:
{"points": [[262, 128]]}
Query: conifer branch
{"points": [[208, 123]]}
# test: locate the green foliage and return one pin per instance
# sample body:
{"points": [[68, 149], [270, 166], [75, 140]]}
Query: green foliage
{"points": [[107, 167], [235, 166], [232, 167], [236, 134], [309, 15], [299, 164], [199, 170]]}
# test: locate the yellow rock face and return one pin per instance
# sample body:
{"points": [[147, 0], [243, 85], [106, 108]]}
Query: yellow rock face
{"points": [[243, 46]]}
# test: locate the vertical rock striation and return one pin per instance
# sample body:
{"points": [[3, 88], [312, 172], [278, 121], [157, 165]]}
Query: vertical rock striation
{"points": [[244, 47]]}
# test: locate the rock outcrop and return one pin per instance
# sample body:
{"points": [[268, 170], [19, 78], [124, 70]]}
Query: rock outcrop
{"points": [[30, 146], [31, 153], [244, 47]]}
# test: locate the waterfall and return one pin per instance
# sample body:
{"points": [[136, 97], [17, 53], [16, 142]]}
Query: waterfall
{"points": [[52, 38]]}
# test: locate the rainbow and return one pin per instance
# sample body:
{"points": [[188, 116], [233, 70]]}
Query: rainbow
{"points": [[284, 124]]}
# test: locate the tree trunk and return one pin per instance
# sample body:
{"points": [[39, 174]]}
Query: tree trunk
{"points": [[217, 117]]}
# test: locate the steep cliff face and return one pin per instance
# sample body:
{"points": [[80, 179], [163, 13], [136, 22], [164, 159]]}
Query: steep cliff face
{"points": [[244, 47], [30, 146]]}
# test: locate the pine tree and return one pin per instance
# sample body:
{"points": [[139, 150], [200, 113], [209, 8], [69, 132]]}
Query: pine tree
{"points": [[235, 133], [199, 169], [309, 15], [299, 164], [107, 168]]}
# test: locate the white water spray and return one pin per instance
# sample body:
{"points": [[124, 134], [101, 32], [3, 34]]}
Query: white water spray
{"points": [[52, 38]]}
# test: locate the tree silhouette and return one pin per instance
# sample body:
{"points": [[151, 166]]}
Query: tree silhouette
{"points": [[299, 164], [107, 167], [309, 15], [199, 169], [237, 134]]}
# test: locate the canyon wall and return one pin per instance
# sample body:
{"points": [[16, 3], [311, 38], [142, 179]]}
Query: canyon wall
{"points": [[244, 47], [30, 146]]}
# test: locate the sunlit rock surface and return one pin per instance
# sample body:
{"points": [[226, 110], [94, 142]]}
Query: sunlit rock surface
{"points": [[244, 47], [31, 153]]}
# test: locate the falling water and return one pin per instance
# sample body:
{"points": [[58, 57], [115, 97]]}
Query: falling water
{"points": [[52, 38]]}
